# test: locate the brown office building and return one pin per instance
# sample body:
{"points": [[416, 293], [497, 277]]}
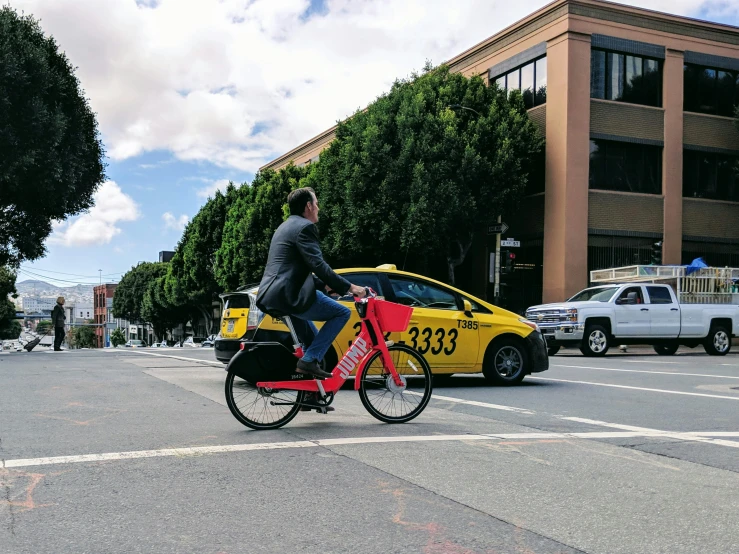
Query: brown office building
{"points": [[103, 304], [636, 107]]}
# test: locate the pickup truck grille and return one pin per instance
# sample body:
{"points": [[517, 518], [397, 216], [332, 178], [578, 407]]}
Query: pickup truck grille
{"points": [[544, 316]]}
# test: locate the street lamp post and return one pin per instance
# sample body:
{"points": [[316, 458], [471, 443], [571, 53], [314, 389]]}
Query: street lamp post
{"points": [[496, 285], [461, 107]]}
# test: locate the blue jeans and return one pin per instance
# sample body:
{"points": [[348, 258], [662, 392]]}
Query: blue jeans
{"points": [[318, 342]]}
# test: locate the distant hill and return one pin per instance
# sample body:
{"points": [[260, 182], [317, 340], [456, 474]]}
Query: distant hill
{"points": [[76, 293]]}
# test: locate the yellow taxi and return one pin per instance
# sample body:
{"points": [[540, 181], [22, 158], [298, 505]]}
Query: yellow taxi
{"points": [[455, 331]]}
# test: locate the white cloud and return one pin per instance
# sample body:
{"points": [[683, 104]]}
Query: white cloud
{"points": [[212, 187], [239, 82], [176, 223], [99, 225]]}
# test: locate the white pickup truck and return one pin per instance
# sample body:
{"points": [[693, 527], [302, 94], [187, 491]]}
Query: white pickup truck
{"points": [[635, 313]]}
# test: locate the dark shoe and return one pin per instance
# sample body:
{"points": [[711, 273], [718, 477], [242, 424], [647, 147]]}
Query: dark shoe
{"points": [[312, 399], [312, 368]]}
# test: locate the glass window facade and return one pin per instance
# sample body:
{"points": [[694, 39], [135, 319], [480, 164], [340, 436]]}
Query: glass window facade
{"points": [[625, 167], [625, 78], [530, 79], [711, 91], [709, 175]]}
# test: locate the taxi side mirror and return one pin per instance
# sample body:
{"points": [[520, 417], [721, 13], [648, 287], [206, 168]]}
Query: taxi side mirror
{"points": [[467, 307]]}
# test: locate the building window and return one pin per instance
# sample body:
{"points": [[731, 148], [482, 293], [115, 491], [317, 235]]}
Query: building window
{"points": [[709, 90], [709, 175], [530, 79], [625, 78], [625, 167]]}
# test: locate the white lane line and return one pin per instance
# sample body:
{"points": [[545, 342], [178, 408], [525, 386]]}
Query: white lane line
{"points": [[174, 357], [690, 436], [480, 404], [435, 396], [205, 450], [645, 371], [635, 388]]}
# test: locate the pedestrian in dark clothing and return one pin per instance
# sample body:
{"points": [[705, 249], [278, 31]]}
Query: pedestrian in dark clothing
{"points": [[57, 319]]}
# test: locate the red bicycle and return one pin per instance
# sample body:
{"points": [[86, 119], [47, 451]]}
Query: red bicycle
{"points": [[393, 380]]}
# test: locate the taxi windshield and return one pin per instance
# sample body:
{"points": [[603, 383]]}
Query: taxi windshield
{"points": [[598, 294]]}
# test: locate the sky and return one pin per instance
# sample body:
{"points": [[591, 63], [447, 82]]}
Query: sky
{"points": [[192, 94]]}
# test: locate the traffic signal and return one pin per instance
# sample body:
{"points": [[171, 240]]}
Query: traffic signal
{"points": [[657, 253], [508, 261]]}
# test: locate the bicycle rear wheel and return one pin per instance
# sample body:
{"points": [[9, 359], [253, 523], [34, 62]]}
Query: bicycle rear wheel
{"points": [[387, 401], [258, 408]]}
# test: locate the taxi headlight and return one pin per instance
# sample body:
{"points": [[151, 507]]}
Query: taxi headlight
{"points": [[531, 324]]}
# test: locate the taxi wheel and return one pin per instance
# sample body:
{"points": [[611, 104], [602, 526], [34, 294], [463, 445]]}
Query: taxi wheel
{"points": [[552, 350], [506, 361]]}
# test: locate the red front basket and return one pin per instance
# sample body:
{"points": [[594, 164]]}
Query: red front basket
{"points": [[393, 317]]}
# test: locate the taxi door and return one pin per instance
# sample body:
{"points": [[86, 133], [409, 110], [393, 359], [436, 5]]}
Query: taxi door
{"points": [[441, 331]]}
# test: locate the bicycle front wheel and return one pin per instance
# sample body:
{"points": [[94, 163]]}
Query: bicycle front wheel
{"points": [[260, 408], [386, 400]]}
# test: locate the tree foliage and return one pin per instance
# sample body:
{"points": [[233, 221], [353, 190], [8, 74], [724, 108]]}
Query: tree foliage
{"points": [[141, 297], [43, 326], [163, 316], [83, 337], [7, 308], [251, 221], [129, 294], [191, 280], [117, 337], [412, 177], [52, 155], [11, 330]]}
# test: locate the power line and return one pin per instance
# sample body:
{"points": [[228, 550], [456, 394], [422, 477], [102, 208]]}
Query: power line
{"points": [[37, 276], [72, 274]]}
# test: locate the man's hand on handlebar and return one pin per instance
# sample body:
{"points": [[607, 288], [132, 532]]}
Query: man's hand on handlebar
{"points": [[358, 291]]}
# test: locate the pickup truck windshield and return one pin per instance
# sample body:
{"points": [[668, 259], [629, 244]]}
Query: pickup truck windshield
{"points": [[600, 294]]}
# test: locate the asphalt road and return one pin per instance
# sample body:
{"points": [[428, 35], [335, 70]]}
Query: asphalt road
{"points": [[135, 451]]}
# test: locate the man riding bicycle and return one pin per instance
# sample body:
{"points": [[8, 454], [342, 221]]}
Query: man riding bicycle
{"points": [[290, 288]]}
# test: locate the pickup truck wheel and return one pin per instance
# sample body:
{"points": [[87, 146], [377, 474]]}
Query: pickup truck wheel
{"points": [[552, 350], [666, 349], [595, 341], [506, 362], [718, 342]]}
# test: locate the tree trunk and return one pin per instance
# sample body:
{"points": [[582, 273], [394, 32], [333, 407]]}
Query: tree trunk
{"points": [[208, 318], [454, 262]]}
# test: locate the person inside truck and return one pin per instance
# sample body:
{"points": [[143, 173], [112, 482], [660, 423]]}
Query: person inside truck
{"points": [[626, 292]]}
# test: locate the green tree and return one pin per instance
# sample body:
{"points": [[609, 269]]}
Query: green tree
{"points": [[83, 337], [7, 308], [52, 155], [43, 326], [412, 179], [117, 337], [129, 294], [190, 277], [10, 330], [163, 316], [250, 223]]}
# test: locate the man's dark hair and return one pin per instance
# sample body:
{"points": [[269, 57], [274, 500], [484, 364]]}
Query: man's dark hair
{"points": [[298, 198]]}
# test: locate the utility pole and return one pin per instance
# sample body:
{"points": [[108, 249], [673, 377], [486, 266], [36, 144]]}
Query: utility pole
{"points": [[496, 288]]}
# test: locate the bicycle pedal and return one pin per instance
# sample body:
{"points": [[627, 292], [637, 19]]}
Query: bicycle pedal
{"points": [[325, 410]]}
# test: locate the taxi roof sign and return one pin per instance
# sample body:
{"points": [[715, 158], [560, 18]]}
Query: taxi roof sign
{"points": [[391, 267]]}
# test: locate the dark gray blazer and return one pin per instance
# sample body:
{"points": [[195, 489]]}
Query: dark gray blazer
{"points": [[287, 286]]}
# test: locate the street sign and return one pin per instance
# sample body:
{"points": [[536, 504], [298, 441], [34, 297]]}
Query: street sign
{"points": [[511, 243], [497, 229]]}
